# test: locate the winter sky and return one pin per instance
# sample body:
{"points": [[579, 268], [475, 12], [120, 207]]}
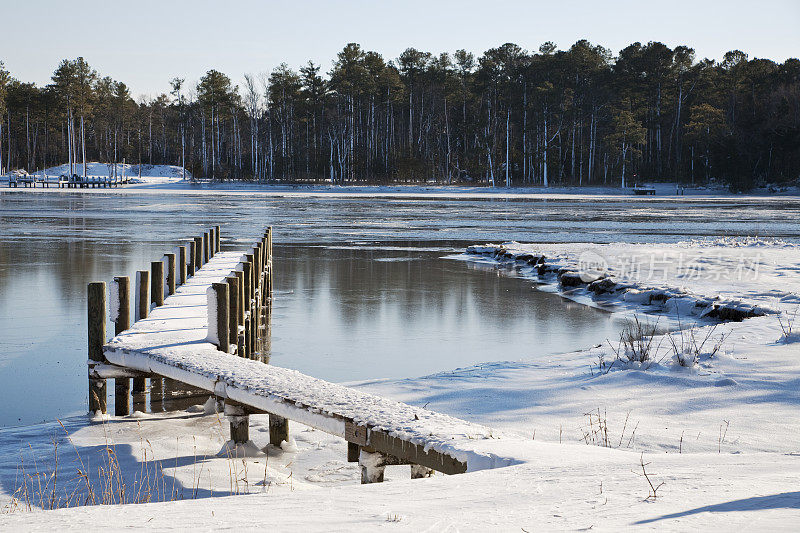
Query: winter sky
{"points": [[148, 42]]}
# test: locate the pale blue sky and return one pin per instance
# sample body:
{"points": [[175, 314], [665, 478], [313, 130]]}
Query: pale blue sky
{"points": [[146, 43]]}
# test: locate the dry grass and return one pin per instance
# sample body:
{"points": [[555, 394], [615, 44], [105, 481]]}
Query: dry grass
{"points": [[60, 486]]}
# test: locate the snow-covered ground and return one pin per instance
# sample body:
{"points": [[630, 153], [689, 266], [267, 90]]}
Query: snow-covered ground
{"points": [[720, 433]]}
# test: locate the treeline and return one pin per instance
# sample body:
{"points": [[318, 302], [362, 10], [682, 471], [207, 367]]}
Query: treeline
{"points": [[510, 117]]}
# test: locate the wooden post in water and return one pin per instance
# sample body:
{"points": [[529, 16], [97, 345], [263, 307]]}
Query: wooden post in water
{"points": [[156, 297], [141, 312], [240, 343], [122, 386], [233, 310], [170, 273], [248, 306], [222, 323], [211, 241], [205, 247], [216, 239], [198, 253], [157, 283], [192, 258], [181, 264], [97, 337]]}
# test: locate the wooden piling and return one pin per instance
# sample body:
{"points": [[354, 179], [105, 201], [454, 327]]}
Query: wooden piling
{"points": [[122, 386], [205, 240], [248, 302], [216, 239], [157, 283], [198, 253], [222, 319], [239, 422], [233, 309], [141, 312], [211, 240], [192, 258], [170, 273], [278, 430], [181, 264], [353, 450], [97, 337]]}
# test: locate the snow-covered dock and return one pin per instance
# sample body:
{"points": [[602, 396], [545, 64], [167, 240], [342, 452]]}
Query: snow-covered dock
{"points": [[183, 340]]}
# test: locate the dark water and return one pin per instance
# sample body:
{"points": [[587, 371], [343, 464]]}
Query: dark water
{"points": [[361, 288]]}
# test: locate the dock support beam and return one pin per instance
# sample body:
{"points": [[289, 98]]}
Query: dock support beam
{"points": [[278, 430], [216, 239], [198, 253], [239, 421], [97, 338], [171, 282], [233, 311], [181, 265], [192, 263], [157, 283], [122, 386], [142, 310], [353, 450]]}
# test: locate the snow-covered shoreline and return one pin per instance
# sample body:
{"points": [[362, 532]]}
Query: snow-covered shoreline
{"points": [[170, 179], [720, 432]]}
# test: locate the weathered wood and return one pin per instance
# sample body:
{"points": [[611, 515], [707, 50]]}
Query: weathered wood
{"points": [[122, 385], [142, 310], [233, 309], [355, 433], [248, 303], [192, 263], [205, 240], [353, 450], [278, 430], [240, 276], [211, 241], [157, 394], [239, 422], [222, 320], [171, 281], [142, 294], [216, 239], [97, 338], [181, 264], [157, 283], [198, 253], [415, 454]]}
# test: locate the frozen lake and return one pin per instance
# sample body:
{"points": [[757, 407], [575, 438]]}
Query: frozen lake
{"points": [[361, 289]]}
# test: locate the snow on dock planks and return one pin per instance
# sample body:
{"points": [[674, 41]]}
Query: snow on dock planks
{"points": [[209, 333]]}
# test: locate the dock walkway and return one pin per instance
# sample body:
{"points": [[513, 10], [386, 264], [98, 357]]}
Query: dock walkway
{"points": [[180, 341]]}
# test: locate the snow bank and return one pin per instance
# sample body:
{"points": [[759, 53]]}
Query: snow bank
{"points": [[725, 279]]}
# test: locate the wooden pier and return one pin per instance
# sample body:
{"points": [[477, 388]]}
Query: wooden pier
{"points": [[75, 181], [206, 332]]}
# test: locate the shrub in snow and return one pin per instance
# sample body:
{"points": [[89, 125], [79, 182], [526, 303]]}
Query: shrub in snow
{"points": [[690, 345], [636, 342], [790, 333]]}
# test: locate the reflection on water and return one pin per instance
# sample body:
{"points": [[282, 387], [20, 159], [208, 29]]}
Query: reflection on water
{"points": [[350, 314], [377, 303]]}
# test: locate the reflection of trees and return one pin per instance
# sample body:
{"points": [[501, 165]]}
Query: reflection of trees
{"points": [[421, 287]]}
